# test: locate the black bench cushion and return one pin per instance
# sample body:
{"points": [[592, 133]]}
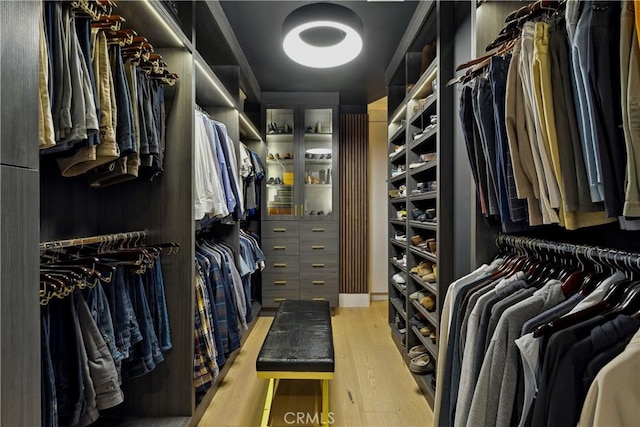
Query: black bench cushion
{"points": [[300, 339]]}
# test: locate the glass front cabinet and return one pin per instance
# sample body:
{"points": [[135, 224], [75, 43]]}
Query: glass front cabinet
{"points": [[301, 163], [300, 231]]}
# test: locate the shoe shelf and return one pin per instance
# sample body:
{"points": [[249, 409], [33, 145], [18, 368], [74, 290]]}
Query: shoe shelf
{"points": [[280, 162], [424, 138], [424, 382], [431, 316], [397, 243], [433, 226], [397, 303], [397, 221], [278, 186], [280, 137], [318, 161], [398, 134], [428, 107], [399, 266], [428, 255], [426, 341], [318, 185], [399, 200], [429, 286], [399, 287], [424, 196], [428, 165], [397, 337], [398, 156], [423, 86], [398, 178]]}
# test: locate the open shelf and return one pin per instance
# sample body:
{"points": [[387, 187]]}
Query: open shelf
{"points": [[426, 341], [397, 303], [425, 167], [398, 200], [398, 178], [424, 196], [397, 242], [397, 134], [431, 316], [399, 266], [397, 221], [428, 255], [429, 286], [433, 226]]}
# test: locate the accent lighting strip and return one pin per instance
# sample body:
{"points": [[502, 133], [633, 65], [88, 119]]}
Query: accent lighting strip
{"points": [[215, 84], [164, 23], [246, 122], [432, 75], [395, 119]]}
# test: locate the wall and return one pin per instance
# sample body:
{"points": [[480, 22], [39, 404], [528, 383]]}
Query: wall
{"points": [[378, 162]]}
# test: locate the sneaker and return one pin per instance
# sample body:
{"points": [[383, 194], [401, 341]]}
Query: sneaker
{"points": [[416, 165], [417, 351], [417, 296], [400, 237], [398, 279], [422, 364]]}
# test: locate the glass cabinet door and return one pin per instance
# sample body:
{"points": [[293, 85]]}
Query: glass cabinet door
{"points": [[281, 172], [318, 163]]}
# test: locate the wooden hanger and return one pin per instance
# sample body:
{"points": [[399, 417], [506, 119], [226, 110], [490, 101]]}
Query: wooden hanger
{"points": [[532, 9]]}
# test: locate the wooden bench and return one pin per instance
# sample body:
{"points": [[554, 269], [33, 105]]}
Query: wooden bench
{"points": [[299, 345]]}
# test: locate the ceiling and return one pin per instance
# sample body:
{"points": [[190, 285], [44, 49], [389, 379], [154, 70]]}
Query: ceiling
{"points": [[258, 27]]}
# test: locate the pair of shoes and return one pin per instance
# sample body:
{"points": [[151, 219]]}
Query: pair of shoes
{"points": [[272, 128], [417, 351], [428, 157], [270, 156], [428, 330], [288, 156], [422, 364], [401, 214], [423, 268], [400, 237], [274, 181]]}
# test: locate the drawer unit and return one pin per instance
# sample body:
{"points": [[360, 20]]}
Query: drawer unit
{"points": [[280, 230], [319, 247], [281, 264], [284, 246]]}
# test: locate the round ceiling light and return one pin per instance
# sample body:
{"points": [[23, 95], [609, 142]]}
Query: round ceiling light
{"points": [[322, 35]]}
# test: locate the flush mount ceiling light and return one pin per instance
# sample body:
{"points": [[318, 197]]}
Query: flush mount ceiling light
{"points": [[322, 35]]}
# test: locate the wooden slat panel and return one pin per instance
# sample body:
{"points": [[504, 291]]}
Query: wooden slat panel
{"points": [[353, 203]]}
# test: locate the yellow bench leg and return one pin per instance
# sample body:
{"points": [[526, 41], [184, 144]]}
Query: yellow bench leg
{"points": [[325, 403], [267, 404]]}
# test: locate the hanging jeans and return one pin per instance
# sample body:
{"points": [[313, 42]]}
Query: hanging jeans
{"points": [[48, 402]]}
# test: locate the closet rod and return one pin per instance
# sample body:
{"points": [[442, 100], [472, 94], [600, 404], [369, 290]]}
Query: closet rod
{"points": [[602, 256], [106, 238]]}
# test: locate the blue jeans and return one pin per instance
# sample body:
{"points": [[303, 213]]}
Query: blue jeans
{"points": [[145, 354], [99, 306], [154, 288], [125, 133], [127, 330], [65, 356], [49, 404]]}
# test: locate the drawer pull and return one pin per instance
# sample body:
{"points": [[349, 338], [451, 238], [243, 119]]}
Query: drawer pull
{"points": [[278, 265], [319, 299], [279, 299], [316, 248], [317, 230], [280, 282], [279, 248], [279, 230], [318, 282], [317, 265]]}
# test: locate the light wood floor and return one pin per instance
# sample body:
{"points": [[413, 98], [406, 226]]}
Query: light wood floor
{"points": [[372, 385]]}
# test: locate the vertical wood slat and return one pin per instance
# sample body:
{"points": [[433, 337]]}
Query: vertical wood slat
{"points": [[353, 203]]}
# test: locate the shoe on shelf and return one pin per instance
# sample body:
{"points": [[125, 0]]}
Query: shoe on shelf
{"points": [[416, 165], [417, 296], [428, 302], [432, 336], [429, 277], [417, 351], [400, 237], [271, 181], [427, 330], [421, 365], [270, 156], [278, 181], [288, 156], [416, 213], [428, 157], [416, 240], [277, 155], [398, 278]]}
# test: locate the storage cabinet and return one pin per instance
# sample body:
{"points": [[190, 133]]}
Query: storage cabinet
{"points": [[300, 217]]}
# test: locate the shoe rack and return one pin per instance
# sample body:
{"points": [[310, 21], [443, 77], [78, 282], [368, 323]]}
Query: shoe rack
{"points": [[420, 180]]}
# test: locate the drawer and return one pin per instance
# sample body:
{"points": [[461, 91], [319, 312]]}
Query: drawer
{"points": [[319, 265], [272, 298], [321, 294], [317, 229], [285, 246], [319, 246], [317, 282], [280, 229], [282, 281], [280, 264]]}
